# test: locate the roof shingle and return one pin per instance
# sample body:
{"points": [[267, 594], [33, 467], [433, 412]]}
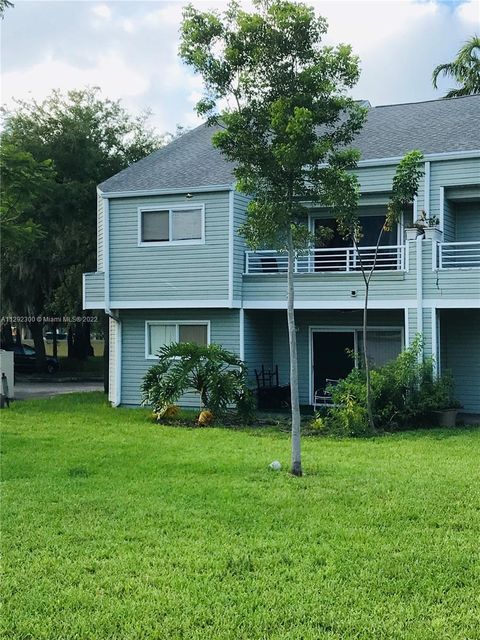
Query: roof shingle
{"points": [[189, 162]]}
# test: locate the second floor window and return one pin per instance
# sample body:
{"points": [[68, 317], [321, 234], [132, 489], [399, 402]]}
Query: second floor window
{"points": [[171, 225]]}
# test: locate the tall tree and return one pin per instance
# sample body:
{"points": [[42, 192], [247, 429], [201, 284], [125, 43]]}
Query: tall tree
{"points": [[465, 70], [87, 139], [26, 182], [286, 126], [404, 189]]}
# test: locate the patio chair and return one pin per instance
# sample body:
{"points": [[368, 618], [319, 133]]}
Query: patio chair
{"points": [[323, 397]]}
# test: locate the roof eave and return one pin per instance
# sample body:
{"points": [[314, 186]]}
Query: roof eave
{"points": [[163, 192]]}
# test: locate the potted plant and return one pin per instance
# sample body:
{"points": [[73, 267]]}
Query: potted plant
{"points": [[413, 232], [431, 226], [441, 402]]}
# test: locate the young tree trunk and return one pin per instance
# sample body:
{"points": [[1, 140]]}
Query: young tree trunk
{"points": [[70, 344], [106, 336], [366, 361], [54, 340], [88, 339], [18, 335], [292, 339], [36, 329], [80, 341]]}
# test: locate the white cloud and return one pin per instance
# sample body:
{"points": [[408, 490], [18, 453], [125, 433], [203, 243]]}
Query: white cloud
{"points": [[469, 12], [115, 76], [102, 11], [399, 43]]}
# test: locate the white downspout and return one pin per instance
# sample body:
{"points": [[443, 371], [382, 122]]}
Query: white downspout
{"points": [[419, 275], [117, 381], [106, 253]]}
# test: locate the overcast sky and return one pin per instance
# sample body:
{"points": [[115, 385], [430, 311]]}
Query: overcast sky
{"points": [[129, 49]]}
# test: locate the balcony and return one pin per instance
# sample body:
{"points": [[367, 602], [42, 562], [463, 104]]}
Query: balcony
{"points": [[459, 255], [331, 260]]}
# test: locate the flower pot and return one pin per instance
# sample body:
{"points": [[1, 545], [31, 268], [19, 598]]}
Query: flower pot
{"points": [[446, 417], [433, 233], [412, 233]]}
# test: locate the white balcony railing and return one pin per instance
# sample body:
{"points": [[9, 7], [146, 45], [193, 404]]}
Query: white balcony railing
{"points": [[458, 255], [343, 259]]}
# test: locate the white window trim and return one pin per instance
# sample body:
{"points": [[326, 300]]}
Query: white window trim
{"points": [[171, 208], [177, 324]]}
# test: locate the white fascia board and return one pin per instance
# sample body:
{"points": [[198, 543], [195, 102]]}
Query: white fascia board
{"points": [[454, 303], [163, 192], [329, 304], [106, 251], [242, 334], [93, 305], [407, 331], [447, 155], [118, 364], [174, 304]]}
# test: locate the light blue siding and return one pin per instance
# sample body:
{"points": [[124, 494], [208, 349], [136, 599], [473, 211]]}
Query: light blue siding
{"points": [[239, 214], [274, 331], [258, 342], [460, 349], [198, 275], [224, 330], [197, 272], [449, 232], [375, 179], [94, 294], [451, 173]]}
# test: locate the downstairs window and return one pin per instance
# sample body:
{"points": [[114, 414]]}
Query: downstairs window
{"points": [[158, 334]]}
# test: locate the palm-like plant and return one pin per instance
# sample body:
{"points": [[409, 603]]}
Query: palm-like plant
{"points": [[465, 70], [217, 375]]}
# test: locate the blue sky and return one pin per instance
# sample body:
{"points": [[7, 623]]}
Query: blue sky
{"points": [[129, 49]]}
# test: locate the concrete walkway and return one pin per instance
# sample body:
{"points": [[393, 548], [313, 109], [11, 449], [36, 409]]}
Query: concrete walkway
{"points": [[26, 390]]}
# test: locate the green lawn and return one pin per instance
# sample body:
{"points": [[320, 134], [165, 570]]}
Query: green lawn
{"points": [[114, 527]]}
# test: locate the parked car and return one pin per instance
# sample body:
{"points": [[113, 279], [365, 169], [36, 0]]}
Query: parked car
{"points": [[25, 358]]}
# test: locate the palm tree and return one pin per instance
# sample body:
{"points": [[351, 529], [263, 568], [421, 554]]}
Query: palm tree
{"points": [[465, 70]]}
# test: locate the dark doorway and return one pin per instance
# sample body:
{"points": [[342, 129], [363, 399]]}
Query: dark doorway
{"points": [[331, 357]]}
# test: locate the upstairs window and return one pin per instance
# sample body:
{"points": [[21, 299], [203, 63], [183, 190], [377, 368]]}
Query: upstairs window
{"points": [[159, 334], [172, 225]]}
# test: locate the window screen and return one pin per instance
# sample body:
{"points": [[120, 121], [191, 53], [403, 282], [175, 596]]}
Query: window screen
{"points": [[187, 224], [154, 226], [160, 335], [193, 333], [383, 346]]}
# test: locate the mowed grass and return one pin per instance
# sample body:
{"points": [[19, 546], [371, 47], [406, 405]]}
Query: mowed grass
{"points": [[114, 527]]}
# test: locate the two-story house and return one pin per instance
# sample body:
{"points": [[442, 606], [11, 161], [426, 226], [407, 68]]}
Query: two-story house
{"points": [[172, 266]]}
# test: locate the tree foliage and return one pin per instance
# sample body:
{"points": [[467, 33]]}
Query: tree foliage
{"points": [[5, 4], [82, 139], [464, 70], [405, 187], [24, 182], [217, 375], [405, 390], [285, 120]]}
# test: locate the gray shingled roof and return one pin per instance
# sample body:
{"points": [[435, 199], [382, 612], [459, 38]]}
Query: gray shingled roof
{"points": [[390, 131]]}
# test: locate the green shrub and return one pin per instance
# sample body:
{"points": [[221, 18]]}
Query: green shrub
{"points": [[404, 392], [216, 374]]}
